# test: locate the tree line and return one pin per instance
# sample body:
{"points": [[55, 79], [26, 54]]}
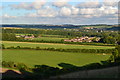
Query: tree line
{"points": [[107, 51]]}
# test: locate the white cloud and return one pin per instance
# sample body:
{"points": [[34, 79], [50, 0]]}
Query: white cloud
{"points": [[38, 3], [97, 12], [32, 15], [34, 5], [60, 3], [65, 11], [44, 12], [22, 6], [87, 16], [90, 4], [87, 11], [47, 12], [75, 10], [8, 16], [110, 2], [110, 10]]}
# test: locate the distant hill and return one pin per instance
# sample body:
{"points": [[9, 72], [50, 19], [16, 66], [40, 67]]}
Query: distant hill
{"points": [[115, 28], [42, 26], [46, 26]]}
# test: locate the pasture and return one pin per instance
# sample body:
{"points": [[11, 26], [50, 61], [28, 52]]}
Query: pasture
{"points": [[48, 39], [53, 45], [51, 58]]}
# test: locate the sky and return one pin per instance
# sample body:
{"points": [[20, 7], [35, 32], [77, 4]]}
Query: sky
{"points": [[77, 12]]}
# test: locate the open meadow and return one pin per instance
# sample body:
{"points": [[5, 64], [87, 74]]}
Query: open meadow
{"points": [[51, 58], [49, 39]]}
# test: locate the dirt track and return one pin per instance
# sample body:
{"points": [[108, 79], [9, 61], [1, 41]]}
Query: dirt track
{"points": [[3, 70]]}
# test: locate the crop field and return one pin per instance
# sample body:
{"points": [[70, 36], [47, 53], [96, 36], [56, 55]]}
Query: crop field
{"points": [[49, 39], [51, 58], [56, 36], [53, 45]]}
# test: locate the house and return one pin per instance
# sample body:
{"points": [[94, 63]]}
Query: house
{"points": [[29, 37], [26, 36], [83, 39]]}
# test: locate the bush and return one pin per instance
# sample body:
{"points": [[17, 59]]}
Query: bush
{"points": [[21, 66]]}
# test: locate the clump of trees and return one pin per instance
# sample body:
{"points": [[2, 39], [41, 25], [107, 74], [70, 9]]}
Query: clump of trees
{"points": [[9, 37], [115, 57], [10, 64]]}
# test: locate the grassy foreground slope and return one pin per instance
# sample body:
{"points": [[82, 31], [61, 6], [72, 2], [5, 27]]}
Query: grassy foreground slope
{"points": [[51, 58], [53, 45]]}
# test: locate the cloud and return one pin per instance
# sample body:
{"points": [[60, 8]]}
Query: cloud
{"points": [[8, 16], [75, 10], [60, 3], [38, 3], [21, 6], [87, 11], [31, 15], [110, 2], [110, 10], [47, 12], [28, 6], [2, 7], [97, 12], [65, 11], [44, 12], [91, 4]]}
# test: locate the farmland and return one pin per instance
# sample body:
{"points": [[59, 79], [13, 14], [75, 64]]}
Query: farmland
{"points": [[51, 58], [49, 39], [53, 45]]}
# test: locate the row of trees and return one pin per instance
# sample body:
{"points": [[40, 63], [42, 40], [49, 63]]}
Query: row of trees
{"points": [[64, 50]]}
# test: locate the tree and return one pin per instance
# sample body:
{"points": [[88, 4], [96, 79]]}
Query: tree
{"points": [[3, 47], [115, 57]]}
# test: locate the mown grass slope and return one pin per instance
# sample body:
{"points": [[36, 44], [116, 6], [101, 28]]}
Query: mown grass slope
{"points": [[51, 58]]}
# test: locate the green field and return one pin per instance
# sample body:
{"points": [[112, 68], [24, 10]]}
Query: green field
{"points": [[55, 36], [53, 45], [51, 58], [49, 39]]}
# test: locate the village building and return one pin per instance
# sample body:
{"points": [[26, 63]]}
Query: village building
{"points": [[83, 39], [29, 37], [26, 36]]}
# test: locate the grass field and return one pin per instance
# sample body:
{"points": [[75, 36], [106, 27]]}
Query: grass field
{"points": [[55, 36], [51, 58], [49, 39], [53, 45]]}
